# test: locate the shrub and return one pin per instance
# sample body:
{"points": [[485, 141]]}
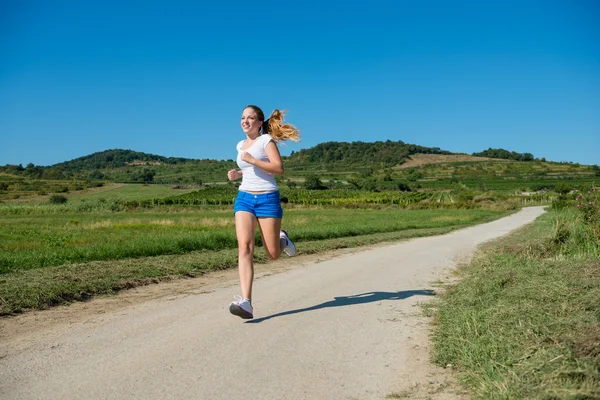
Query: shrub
{"points": [[414, 176], [562, 188], [465, 196], [588, 205], [58, 199], [313, 182], [403, 187], [3, 186], [539, 187], [369, 185], [559, 204]]}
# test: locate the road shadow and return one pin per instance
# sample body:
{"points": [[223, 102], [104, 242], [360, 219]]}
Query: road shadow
{"points": [[342, 301]]}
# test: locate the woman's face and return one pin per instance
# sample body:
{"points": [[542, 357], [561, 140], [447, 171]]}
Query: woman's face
{"points": [[250, 123]]}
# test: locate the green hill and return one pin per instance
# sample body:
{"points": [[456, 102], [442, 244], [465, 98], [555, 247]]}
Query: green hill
{"points": [[114, 159], [361, 154], [358, 165]]}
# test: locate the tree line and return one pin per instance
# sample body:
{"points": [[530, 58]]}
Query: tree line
{"points": [[505, 155], [384, 154]]}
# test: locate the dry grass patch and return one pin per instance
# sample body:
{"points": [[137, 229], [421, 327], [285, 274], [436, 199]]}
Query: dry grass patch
{"points": [[416, 160]]}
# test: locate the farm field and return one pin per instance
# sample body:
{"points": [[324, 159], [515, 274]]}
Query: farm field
{"points": [[37, 241], [51, 258], [128, 192]]}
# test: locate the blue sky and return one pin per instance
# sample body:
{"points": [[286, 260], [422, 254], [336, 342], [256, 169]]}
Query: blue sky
{"points": [[172, 77]]}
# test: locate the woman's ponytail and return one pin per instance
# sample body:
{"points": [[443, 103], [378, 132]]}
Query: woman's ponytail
{"points": [[279, 131]]}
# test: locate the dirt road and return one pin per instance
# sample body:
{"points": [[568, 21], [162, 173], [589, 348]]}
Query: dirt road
{"points": [[348, 327]]}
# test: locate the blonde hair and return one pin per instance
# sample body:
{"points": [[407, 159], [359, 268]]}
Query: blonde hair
{"points": [[275, 126]]}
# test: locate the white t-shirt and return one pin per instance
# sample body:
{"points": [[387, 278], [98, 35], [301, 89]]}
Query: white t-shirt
{"points": [[255, 179]]}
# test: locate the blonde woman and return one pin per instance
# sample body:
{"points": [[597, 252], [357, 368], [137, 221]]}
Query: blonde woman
{"points": [[258, 200]]}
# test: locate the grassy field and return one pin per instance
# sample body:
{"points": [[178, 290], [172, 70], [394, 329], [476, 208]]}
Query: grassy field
{"points": [[523, 322], [54, 257], [129, 192]]}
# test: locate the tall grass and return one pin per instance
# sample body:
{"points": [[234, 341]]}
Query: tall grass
{"points": [[38, 241], [523, 322]]}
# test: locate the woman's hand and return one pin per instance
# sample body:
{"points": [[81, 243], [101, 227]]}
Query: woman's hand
{"points": [[234, 174], [247, 157]]}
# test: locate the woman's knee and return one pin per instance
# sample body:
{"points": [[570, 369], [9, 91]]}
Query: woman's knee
{"points": [[245, 249]]}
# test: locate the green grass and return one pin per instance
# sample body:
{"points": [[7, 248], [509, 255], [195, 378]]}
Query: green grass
{"points": [[129, 192], [523, 322], [56, 258], [38, 241]]}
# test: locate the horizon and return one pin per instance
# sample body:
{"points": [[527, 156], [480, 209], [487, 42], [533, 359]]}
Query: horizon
{"points": [[294, 151], [172, 79]]}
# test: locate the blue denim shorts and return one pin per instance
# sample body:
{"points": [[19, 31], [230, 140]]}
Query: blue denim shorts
{"points": [[267, 205]]}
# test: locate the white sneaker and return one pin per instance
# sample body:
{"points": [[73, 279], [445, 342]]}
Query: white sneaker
{"points": [[290, 247], [241, 307]]}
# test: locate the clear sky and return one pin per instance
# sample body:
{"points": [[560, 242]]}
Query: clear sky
{"points": [[172, 77]]}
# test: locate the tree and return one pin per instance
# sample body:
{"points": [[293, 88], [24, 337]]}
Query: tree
{"points": [[144, 175], [96, 174], [312, 182]]}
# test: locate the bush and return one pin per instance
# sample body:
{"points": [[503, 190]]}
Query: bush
{"points": [[414, 176], [3, 186], [313, 182], [465, 196], [562, 188], [559, 204], [58, 199], [63, 189], [539, 187], [403, 187]]}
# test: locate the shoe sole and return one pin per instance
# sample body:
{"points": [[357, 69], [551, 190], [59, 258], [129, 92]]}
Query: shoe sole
{"points": [[291, 245], [240, 312]]}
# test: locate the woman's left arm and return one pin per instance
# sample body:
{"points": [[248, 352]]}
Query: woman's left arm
{"points": [[273, 166]]}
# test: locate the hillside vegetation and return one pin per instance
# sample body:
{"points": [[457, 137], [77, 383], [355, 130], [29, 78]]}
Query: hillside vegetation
{"points": [[376, 166]]}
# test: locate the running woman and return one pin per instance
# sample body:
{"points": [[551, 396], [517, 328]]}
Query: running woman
{"points": [[258, 199]]}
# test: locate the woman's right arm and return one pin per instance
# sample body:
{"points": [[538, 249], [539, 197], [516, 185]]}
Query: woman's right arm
{"points": [[234, 174]]}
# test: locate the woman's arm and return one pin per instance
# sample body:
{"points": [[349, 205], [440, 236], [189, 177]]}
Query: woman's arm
{"points": [[273, 166], [234, 174]]}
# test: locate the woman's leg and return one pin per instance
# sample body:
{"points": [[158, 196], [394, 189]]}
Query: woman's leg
{"points": [[245, 226], [269, 229]]}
